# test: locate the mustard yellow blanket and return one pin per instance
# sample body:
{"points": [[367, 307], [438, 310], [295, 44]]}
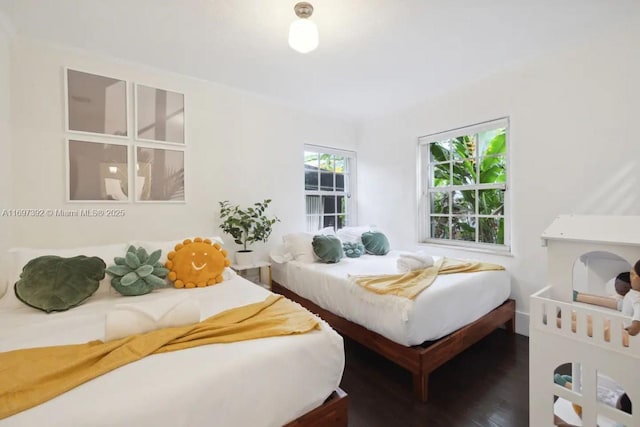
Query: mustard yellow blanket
{"points": [[409, 285], [32, 376]]}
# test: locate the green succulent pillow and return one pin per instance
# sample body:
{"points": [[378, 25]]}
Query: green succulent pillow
{"points": [[353, 249], [375, 243], [52, 283], [327, 248], [138, 273]]}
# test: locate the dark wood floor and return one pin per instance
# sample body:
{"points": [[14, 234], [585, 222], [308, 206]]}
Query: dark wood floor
{"points": [[487, 385]]}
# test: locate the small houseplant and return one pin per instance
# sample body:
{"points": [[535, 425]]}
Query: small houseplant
{"points": [[246, 226]]}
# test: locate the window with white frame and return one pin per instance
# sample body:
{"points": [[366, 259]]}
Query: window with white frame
{"points": [[329, 184], [463, 179]]}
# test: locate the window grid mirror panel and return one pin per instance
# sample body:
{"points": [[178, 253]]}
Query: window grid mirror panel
{"points": [[97, 171], [160, 115], [328, 184], [159, 175], [96, 104], [463, 177]]}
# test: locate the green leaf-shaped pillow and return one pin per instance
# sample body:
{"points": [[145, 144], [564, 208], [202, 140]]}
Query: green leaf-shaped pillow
{"points": [[375, 243], [328, 248], [52, 283]]}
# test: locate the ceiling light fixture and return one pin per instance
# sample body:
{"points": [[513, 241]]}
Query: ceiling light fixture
{"points": [[303, 33]]}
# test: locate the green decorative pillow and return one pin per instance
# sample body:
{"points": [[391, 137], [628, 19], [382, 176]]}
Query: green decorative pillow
{"points": [[353, 249], [328, 248], [52, 283], [138, 273], [375, 243]]}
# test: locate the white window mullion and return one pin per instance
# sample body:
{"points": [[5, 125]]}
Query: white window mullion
{"points": [[498, 186]]}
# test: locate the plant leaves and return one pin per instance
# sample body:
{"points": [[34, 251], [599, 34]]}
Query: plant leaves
{"points": [[132, 260], [144, 270], [120, 260], [118, 270], [129, 279], [154, 257], [154, 281], [160, 272], [143, 256]]}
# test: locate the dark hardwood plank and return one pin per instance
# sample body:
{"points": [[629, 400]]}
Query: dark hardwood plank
{"points": [[332, 413], [485, 385]]}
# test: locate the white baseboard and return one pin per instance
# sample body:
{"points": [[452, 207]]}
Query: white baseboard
{"points": [[522, 323]]}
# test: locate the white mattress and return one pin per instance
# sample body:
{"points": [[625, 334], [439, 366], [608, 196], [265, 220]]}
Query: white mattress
{"points": [[451, 302], [265, 382]]}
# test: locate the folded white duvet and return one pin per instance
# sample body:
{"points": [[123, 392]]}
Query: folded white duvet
{"points": [[137, 318]]}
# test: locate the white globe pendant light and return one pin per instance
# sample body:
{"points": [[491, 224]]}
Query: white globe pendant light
{"points": [[303, 33]]}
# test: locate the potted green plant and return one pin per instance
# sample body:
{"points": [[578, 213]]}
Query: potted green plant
{"points": [[246, 226]]}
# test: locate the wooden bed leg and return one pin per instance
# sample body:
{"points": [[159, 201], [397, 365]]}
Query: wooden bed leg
{"points": [[421, 386], [510, 325]]}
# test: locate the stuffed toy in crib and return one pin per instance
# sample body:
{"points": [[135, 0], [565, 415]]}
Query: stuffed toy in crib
{"points": [[627, 285], [631, 301]]}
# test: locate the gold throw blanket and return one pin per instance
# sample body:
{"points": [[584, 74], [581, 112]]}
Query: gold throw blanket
{"points": [[409, 285], [29, 377]]}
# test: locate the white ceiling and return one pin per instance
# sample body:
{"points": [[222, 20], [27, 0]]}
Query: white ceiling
{"points": [[375, 56]]}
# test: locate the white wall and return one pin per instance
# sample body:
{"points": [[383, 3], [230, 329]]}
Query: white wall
{"points": [[5, 136], [241, 147], [574, 149]]}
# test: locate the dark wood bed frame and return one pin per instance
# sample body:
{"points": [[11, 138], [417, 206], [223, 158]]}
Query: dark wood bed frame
{"points": [[422, 359], [332, 413]]}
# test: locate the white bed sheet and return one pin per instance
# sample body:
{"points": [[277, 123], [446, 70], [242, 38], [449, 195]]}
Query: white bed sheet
{"points": [[451, 302], [264, 382]]}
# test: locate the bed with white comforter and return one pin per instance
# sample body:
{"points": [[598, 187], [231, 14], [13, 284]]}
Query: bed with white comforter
{"points": [[264, 382], [451, 302]]}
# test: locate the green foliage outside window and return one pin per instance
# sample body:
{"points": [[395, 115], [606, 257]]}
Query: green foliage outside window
{"points": [[459, 162]]}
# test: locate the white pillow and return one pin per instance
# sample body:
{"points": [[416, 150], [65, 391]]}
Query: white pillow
{"points": [[352, 234], [327, 231], [299, 245], [280, 254], [19, 257]]}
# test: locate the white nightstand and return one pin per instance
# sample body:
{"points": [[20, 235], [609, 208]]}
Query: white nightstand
{"points": [[264, 272]]}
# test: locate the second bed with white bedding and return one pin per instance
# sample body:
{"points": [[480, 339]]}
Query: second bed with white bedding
{"points": [[451, 302]]}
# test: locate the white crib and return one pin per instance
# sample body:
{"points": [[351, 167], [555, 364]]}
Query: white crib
{"points": [[589, 338]]}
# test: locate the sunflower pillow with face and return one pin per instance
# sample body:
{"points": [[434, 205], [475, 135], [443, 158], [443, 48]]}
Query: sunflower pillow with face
{"points": [[196, 263]]}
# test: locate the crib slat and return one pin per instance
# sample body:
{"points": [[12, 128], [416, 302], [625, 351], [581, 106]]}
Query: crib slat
{"points": [[597, 324], [581, 325], [615, 331], [566, 321]]}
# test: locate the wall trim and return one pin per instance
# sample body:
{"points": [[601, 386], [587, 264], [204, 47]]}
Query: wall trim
{"points": [[6, 26], [522, 323]]}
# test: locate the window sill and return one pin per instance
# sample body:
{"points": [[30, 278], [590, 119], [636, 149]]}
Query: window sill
{"points": [[505, 252]]}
